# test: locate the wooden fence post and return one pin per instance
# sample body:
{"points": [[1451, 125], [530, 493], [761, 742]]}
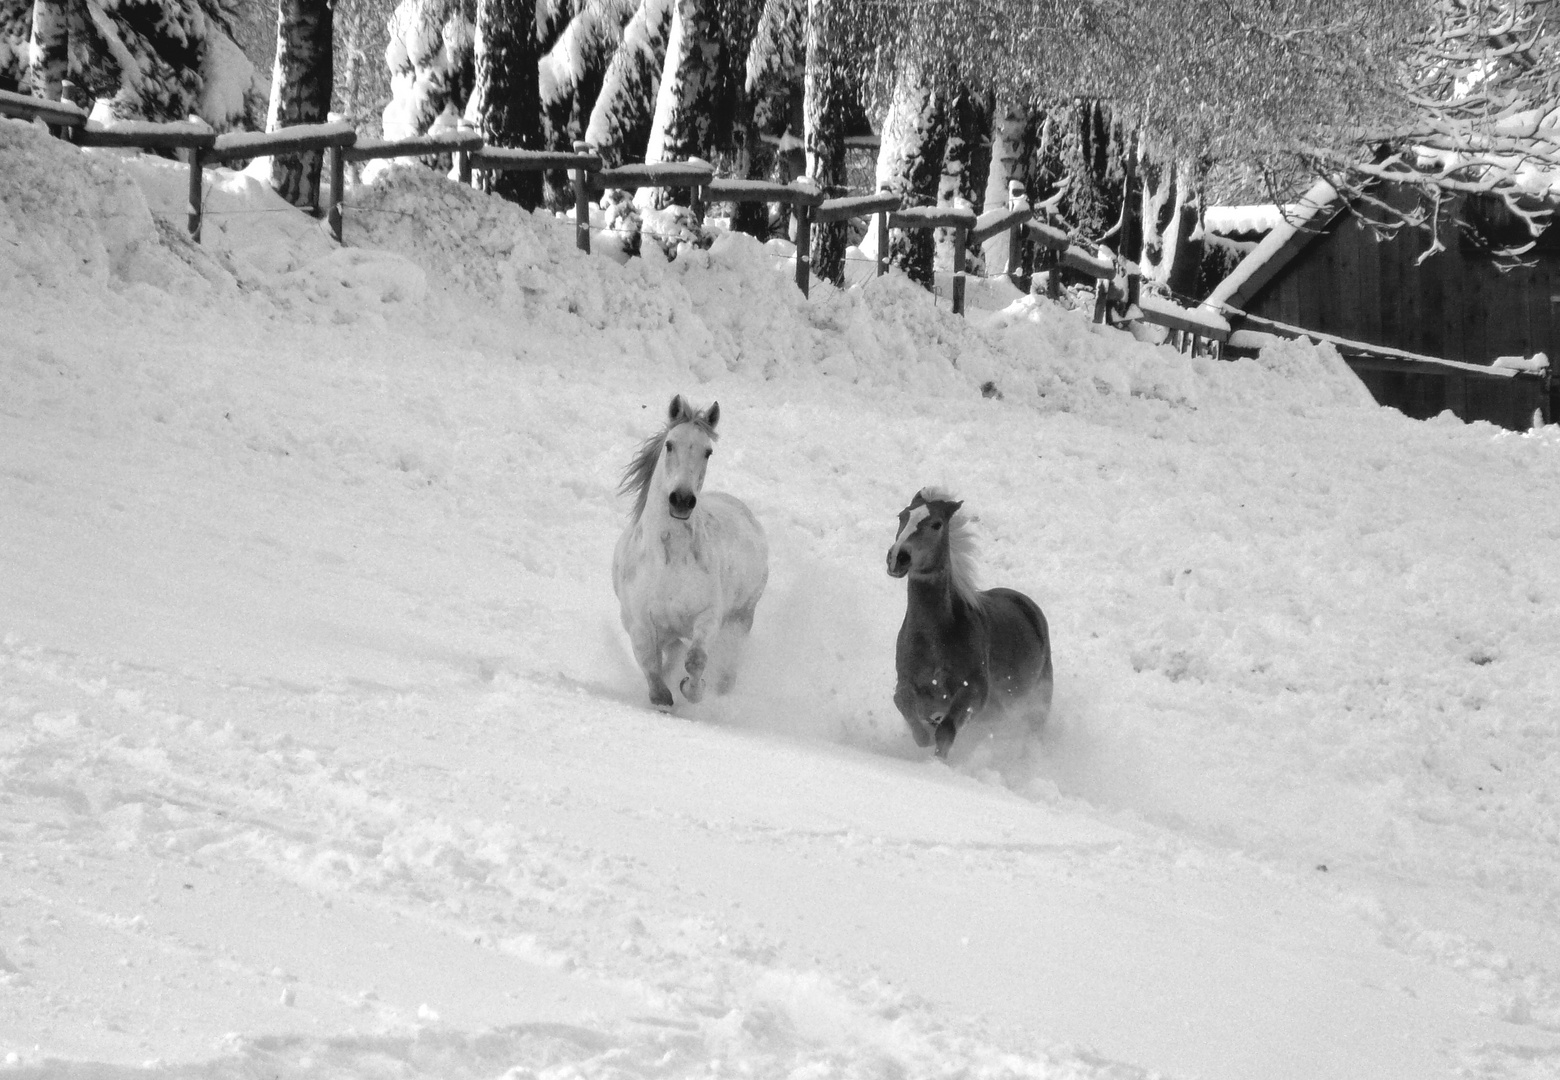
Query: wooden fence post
{"points": [[581, 202], [960, 236], [337, 183], [463, 166], [803, 214], [882, 243], [197, 176], [1016, 193]]}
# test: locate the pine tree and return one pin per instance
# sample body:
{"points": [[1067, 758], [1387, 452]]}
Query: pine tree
{"points": [[966, 161], [507, 104], [827, 96], [50, 49], [619, 126], [431, 57], [685, 104], [910, 160]]}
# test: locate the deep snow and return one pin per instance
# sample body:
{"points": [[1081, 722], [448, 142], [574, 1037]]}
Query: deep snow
{"points": [[321, 751]]}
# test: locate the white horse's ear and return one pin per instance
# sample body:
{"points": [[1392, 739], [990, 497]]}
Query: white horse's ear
{"points": [[712, 414], [680, 411]]}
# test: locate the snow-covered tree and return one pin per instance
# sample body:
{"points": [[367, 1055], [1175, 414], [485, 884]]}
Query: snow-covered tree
{"points": [[49, 64], [1478, 119], [146, 60], [686, 102], [826, 97], [910, 163], [966, 160], [507, 103], [432, 63], [776, 61], [575, 64], [619, 126], [301, 88], [1170, 192]]}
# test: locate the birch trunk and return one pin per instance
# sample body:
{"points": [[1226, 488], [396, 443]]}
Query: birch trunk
{"points": [[910, 158], [300, 92], [507, 103], [1011, 150]]}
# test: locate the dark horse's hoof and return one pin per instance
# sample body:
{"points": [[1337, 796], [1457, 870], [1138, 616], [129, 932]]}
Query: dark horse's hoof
{"points": [[945, 733]]}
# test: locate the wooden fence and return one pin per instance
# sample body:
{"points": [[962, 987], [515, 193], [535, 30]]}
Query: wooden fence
{"points": [[1035, 246]]}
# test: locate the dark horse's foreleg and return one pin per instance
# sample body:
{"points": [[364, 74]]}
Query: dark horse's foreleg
{"points": [[940, 724], [907, 702], [966, 702]]}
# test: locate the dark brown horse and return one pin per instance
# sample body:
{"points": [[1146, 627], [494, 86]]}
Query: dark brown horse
{"points": [[961, 651]]}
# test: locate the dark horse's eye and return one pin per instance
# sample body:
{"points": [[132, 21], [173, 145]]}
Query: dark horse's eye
{"points": [[936, 524]]}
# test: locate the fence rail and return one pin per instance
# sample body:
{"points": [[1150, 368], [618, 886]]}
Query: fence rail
{"points": [[1118, 281]]}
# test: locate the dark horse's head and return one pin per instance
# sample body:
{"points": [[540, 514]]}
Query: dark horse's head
{"points": [[925, 526]]}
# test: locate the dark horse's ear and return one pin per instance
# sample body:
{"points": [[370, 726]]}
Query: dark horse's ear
{"points": [[680, 411], [712, 415]]}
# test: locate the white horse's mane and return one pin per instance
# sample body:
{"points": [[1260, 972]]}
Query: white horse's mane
{"points": [[961, 547]]}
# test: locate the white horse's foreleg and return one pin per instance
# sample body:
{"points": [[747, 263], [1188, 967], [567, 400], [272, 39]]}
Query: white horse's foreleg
{"points": [[648, 648], [692, 686]]}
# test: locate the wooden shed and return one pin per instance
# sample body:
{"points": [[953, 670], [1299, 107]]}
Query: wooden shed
{"points": [[1324, 270]]}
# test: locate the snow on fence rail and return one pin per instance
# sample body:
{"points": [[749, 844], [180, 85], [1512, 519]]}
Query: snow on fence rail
{"points": [[1117, 279]]}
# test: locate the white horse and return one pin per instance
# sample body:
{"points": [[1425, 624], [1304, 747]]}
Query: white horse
{"points": [[689, 569]]}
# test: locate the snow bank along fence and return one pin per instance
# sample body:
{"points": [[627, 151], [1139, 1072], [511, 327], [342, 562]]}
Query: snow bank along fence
{"points": [[339, 142], [1118, 293]]}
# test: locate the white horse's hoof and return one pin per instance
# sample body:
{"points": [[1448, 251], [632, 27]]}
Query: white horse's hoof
{"points": [[693, 691]]}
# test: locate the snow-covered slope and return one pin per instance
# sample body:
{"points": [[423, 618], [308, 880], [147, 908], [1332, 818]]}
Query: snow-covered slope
{"points": [[321, 751]]}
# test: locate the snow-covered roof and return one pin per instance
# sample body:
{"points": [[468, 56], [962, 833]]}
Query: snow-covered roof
{"points": [[1254, 217], [1296, 227]]}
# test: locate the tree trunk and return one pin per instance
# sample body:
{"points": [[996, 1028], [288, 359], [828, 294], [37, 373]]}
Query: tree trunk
{"points": [[910, 160], [966, 161], [1169, 218], [826, 97], [1011, 150], [300, 92], [620, 119], [50, 48], [507, 103]]}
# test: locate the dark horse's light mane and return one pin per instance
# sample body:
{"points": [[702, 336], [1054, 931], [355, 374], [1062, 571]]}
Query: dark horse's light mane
{"points": [[961, 548], [641, 467]]}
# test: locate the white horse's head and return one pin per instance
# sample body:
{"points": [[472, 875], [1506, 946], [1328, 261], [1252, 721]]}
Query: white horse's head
{"points": [[685, 454], [668, 469]]}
